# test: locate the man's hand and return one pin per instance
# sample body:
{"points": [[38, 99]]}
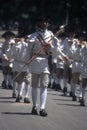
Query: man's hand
{"points": [[5, 57], [60, 59], [47, 46], [66, 58]]}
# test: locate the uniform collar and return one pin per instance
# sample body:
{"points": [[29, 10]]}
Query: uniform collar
{"points": [[41, 30]]}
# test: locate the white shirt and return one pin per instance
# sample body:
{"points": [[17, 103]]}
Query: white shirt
{"points": [[40, 64], [84, 61], [21, 55]]}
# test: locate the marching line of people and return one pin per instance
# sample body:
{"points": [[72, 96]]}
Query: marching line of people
{"points": [[72, 71], [61, 58]]}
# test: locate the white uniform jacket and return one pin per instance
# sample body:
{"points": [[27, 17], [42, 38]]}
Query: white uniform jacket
{"points": [[76, 56], [21, 55], [4, 51], [84, 61], [40, 63]]}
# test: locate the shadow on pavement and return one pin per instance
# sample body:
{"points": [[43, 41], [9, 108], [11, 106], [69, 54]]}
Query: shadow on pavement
{"points": [[16, 113], [62, 99], [7, 101], [5, 97], [75, 105]]}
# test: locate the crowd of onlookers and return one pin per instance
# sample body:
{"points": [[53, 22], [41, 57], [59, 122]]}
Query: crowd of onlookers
{"points": [[11, 25]]}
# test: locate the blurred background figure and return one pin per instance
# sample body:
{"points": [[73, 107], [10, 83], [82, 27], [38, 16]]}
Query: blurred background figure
{"points": [[6, 63]]}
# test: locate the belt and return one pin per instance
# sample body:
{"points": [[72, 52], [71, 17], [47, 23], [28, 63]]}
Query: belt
{"points": [[19, 61], [41, 55], [77, 60]]}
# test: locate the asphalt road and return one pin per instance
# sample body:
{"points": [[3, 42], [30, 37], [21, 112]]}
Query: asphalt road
{"points": [[63, 113]]}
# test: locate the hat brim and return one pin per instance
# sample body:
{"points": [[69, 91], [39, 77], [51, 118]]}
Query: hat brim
{"points": [[8, 33]]}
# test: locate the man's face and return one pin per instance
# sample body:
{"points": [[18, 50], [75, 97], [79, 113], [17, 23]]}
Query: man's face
{"points": [[43, 24]]}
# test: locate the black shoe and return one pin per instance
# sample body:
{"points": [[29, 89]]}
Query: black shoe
{"points": [[80, 98], [71, 94], [49, 85], [18, 99], [4, 84], [26, 100], [65, 91], [82, 102], [14, 95], [54, 85], [58, 87], [74, 98], [34, 111], [43, 112], [10, 87]]}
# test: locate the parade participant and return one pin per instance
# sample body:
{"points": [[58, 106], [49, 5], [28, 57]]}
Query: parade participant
{"points": [[14, 88], [19, 51], [77, 63], [60, 61], [39, 66], [53, 77], [84, 74], [66, 48], [6, 63]]}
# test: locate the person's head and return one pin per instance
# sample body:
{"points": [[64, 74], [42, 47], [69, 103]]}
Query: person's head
{"points": [[80, 35], [8, 35], [63, 35], [71, 30], [42, 22]]}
